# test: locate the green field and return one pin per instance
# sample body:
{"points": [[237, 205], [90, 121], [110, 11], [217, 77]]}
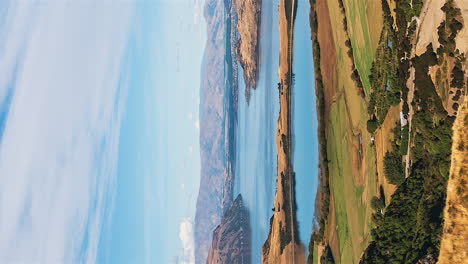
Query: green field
{"points": [[350, 210], [352, 177], [351, 199], [361, 39], [315, 260]]}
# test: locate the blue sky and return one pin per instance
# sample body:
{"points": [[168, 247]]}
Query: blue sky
{"points": [[99, 155]]}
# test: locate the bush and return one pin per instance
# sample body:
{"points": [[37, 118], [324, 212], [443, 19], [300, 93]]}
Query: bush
{"points": [[457, 95], [327, 256], [457, 76], [411, 227], [372, 125], [404, 140], [394, 98], [393, 168], [377, 203]]}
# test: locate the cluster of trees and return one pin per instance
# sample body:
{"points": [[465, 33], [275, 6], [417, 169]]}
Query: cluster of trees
{"points": [[288, 183], [447, 32], [383, 79], [449, 29], [378, 205], [393, 162], [393, 168], [404, 140], [327, 256], [458, 76], [410, 228], [389, 71], [457, 82]]}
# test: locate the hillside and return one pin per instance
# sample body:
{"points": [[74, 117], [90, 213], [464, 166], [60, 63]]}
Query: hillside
{"points": [[389, 80], [455, 237], [217, 125], [231, 239]]}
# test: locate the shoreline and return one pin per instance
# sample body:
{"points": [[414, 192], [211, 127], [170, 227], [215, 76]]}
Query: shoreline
{"points": [[321, 212], [282, 244]]}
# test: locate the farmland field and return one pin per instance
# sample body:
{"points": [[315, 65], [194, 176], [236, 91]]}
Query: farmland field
{"points": [[352, 161]]}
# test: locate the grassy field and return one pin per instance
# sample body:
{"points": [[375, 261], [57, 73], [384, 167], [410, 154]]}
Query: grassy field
{"points": [[351, 197], [352, 157], [364, 26], [316, 256]]}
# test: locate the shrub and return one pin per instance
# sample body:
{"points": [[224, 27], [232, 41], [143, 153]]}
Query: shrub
{"points": [[404, 140], [327, 256], [377, 203], [457, 76], [393, 168], [372, 125]]}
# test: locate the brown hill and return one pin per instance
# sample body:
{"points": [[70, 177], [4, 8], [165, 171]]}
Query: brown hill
{"points": [[231, 239]]}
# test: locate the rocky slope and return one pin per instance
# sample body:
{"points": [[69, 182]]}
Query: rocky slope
{"points": [[283, 245], [248, 25], [231, 239]]}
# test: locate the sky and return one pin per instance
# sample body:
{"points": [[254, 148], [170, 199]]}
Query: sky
{"points": [[99, 154]]}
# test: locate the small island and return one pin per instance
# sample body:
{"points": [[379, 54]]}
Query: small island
{"points": [[248, 27]]}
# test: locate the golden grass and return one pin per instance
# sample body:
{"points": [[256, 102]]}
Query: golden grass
{"points": [[454, 245]]}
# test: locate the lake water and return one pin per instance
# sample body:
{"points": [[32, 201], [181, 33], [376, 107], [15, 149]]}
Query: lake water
{"points": [[256, 147], [305, 151]]}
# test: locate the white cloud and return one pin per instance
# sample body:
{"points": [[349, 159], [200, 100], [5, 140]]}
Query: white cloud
{"points": [[186, 237], [59, 149]]}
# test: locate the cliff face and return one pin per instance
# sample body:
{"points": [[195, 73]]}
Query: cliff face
{"points": [[248, 25], [212, 151], [231, 239]]}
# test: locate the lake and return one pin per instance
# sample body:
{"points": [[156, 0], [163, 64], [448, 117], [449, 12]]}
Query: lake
{"points": [[257, 122]]}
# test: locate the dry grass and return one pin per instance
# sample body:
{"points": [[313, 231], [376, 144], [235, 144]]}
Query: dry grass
{"points": [[383, 143], [462, 37], [455, 237], [428, 29]]}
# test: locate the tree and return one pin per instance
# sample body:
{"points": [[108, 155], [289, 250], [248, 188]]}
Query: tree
{"points": [[377, 203], [393, 168], [372, 125], [327, 256], [457, 76]]}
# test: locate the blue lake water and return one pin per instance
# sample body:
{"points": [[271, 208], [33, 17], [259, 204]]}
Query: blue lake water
{"points": [[256, 147], [305, 151]]}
